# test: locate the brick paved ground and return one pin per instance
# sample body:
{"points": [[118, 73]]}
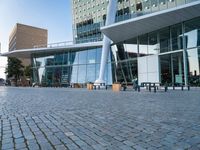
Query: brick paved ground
{"points": [[79, 119]]}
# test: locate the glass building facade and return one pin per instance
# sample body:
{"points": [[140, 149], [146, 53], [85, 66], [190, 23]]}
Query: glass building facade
{"points": [[169, 44], [83, 65], [90, 15], [67, 67]]}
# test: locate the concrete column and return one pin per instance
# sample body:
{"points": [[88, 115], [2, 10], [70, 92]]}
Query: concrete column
{"points": [[110, 19]]}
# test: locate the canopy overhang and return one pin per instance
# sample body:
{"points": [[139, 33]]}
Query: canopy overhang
{"points": [[26, 53], [131, 28]]}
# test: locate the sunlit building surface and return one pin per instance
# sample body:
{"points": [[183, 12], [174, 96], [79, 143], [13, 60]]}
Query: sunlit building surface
{"points": [[24, 37], [153, 41]]}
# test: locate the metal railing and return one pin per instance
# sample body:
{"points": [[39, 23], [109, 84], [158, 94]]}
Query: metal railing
{"points": [[52, 45]]}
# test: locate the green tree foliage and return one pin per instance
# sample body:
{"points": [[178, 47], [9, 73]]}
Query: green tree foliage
{"points": [[14, 69], [28, 71]]}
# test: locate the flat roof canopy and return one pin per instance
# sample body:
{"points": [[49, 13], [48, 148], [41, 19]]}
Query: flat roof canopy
{"points": [[131, 28], [26, 53]]}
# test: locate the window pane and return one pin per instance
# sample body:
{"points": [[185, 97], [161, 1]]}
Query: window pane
{"points": [[164, 40], [91, 56], [82, 57], [153, 46], [143, 45], [81, 74], [192, 33], [177, 37]]}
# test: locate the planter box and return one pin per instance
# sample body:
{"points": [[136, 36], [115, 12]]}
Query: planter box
{"points": [[90, 86], [116, 87], [77, 85]]}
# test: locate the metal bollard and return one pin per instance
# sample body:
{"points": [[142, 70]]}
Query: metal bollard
{"points": [[150, 88], [106, 87], [173, 87], [95, 87], [188, 87], [154, 89], [165, 88], [182, 87], [138, 88]]}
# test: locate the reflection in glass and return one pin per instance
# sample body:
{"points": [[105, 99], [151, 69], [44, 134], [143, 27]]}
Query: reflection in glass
{"points": [[177, 37], [57, 76], [153, 47], [74, 74], [192, 33], [131, 48], [164, 40], [82, 57], [165, 69], [81, 74], [143, 45], [194, 66], [91, 73], [91, 56], [58, 59], [65, 58]]}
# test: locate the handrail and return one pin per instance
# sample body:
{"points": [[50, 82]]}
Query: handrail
{"points": [[51, 45]]}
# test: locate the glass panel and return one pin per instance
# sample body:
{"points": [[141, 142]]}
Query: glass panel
{"points": [[49, 61], [134, 69], [81, 74], [194, 66], [165, 68], [146, 6], [57, 76], [91, 56], [65, 58], [49, 76], [177, 37], [180, 2], [82, 57], [164, 40], [109, 74], [58, 59], [131, 48], [192, 33], [99, 51], [143, 45], [178, 72], [153, 46], [171, 3], [97, 71], [73, 58], [114, 51], [91, 73], [163, 4], [154, 5], [65, 79], [74, 74]]}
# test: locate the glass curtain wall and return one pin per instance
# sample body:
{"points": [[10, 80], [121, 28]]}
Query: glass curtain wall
{"points": [[62, 69], [168, 44], [90, 15]]}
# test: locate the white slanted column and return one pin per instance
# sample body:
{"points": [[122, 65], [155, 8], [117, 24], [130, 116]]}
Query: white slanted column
{"points": [[110, 19]]}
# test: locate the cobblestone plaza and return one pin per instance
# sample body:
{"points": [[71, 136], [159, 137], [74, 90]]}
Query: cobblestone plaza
{"points": [[49, 118]]}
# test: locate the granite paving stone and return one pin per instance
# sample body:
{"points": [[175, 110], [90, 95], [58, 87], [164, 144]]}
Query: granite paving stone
{"points": [[73, 119]]}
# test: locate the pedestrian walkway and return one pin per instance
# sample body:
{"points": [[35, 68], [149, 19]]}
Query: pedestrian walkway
{"points": [[59, 118]]}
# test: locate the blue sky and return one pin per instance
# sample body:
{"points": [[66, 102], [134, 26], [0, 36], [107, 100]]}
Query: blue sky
{"points": [[53, 15]]}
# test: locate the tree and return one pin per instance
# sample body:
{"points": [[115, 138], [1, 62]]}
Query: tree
{"points": [[28, 71], [14, 69]]}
